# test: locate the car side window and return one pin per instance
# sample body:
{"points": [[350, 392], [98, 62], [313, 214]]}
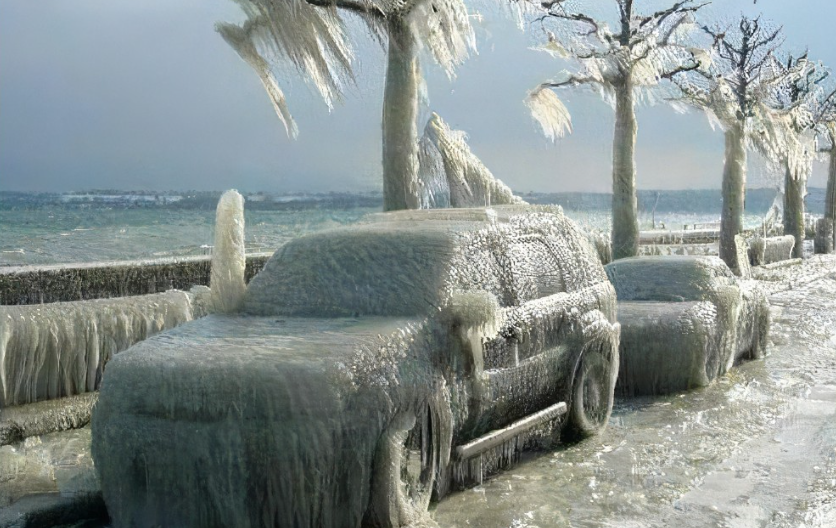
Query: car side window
{"points": [[487, 268], [535, 268]]}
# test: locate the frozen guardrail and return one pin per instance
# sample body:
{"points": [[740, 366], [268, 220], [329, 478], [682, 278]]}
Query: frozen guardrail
{"points": [[769, 250]]}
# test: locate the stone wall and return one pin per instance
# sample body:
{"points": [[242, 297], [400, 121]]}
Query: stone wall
{"points": [[100, 280]]}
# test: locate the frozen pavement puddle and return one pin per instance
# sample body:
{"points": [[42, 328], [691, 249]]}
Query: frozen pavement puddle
{"points": [[767, 483]]}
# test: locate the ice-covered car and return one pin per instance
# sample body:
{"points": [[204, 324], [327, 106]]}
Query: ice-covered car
{"points": [[372, 368], [684, 321]]}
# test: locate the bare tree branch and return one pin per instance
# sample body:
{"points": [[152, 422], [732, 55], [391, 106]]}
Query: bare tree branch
{"points": [[681, 69]]}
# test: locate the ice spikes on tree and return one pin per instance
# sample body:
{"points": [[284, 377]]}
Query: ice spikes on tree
{"points": [[449, 168], [625, 63], [790, 138], [734, 91], [310, 36]]}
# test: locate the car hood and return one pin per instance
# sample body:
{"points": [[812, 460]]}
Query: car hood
{"points": [[250, 421], [208, 368]]}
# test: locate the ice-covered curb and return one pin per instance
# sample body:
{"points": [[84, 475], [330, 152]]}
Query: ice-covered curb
{"points": [[35, 419]]}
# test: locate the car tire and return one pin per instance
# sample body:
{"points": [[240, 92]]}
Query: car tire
{"points": [[405, 471], [592, 396]]}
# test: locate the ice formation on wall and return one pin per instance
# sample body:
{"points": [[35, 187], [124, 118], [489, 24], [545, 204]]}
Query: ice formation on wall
{"points": [[214, 423], [52, 350], [446, 158], [228, 256]]}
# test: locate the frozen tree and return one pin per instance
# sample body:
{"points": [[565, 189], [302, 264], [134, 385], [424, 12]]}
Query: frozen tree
{"points": [[824, 115], [311, 36], [734, 90], [629, 61], [790, 134]]}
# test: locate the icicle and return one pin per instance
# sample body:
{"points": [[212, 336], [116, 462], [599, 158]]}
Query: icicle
{"points": [[60, 349], [239, 40]]}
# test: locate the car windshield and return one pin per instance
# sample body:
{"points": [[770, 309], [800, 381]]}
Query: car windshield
{"points": [[373, 269]]}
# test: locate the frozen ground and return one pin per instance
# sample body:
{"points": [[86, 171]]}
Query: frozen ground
{"points": [[757, 448]]}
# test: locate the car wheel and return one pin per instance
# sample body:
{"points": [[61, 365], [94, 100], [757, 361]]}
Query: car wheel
{"points": [[592, 396], [405, 471]]}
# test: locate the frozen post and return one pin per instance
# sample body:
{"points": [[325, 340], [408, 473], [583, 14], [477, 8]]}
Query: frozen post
{"points": [[228, 258]]}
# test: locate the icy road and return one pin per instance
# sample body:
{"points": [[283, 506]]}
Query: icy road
{"points": [[757, 448]]}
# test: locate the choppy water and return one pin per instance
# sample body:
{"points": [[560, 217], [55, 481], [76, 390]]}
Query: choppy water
{"points": [[52, 235], [55, 234]]}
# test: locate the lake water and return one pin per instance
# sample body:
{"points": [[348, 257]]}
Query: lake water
{"points": [[54, 234]]}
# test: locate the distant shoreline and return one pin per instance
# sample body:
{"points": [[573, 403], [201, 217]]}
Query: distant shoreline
{"points": [[758, 201]]}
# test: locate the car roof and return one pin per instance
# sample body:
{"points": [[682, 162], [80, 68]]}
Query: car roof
{"points": [[410, 262]]}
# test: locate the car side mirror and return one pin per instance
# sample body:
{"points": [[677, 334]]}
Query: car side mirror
{"points": [[470, 318]]}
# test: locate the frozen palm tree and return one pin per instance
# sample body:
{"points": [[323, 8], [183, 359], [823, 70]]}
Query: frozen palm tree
{"points": [[642, 51], [310, 35], [734, 91]]}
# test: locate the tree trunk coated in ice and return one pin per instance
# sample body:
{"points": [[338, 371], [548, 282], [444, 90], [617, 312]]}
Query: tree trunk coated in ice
{"points": [[734, 183], [830, 197], [794, 186], [625, 226], [400, 110]]}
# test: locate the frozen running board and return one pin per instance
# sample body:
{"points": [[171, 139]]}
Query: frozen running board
{"points": [[500, 436]]}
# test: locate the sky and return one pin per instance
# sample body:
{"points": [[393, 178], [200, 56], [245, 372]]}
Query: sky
{"points": [[147, 96]]}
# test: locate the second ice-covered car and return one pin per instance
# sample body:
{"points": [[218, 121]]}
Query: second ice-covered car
{"points": [[684, 321], [372, 368]]}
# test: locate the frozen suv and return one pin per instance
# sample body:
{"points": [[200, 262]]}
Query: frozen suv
{"points": [[372, 368]]}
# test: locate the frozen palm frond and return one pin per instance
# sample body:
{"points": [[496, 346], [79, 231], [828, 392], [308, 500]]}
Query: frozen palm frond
{"points": [[550, 112], [435, 191], [310, 39], [470, 183], [444, 27], [310, 36], [238, 39]]}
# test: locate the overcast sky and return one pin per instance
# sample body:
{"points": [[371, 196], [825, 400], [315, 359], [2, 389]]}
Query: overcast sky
{"points": [[144, 94]]}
